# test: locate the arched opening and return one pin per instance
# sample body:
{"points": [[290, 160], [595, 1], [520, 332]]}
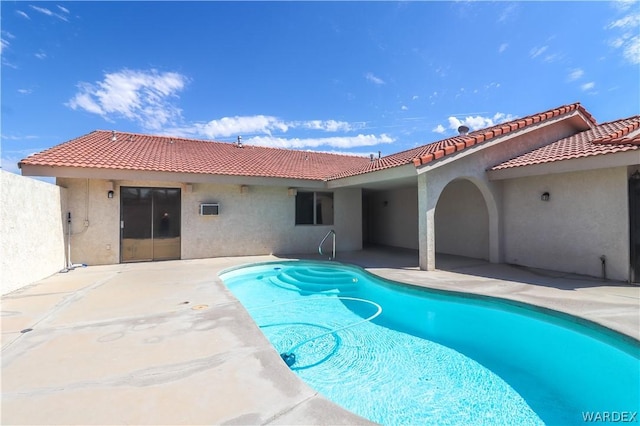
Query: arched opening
{"points": [[462, 221]]}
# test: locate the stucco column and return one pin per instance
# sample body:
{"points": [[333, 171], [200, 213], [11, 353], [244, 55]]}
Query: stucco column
{"points": [[426, 226], [494, 207]]}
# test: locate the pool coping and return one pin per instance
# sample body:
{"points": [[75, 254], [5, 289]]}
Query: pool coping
{"points": [[166, 342]]}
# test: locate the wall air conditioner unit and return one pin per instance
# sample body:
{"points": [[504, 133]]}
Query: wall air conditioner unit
{"points": [[209, 209]]}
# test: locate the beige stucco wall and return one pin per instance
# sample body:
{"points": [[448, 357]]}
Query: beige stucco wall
{"points": [[32, 243], [393, 217], [462, 221], [432, 184], [472, 164], [260, 220], [95, 232], [586, 217]]}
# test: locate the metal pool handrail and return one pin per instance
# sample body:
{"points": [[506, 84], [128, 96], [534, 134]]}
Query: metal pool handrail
{"points": [[333, 256]]}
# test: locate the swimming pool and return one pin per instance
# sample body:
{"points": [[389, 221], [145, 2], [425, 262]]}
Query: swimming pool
{"points": [[397, 354]]}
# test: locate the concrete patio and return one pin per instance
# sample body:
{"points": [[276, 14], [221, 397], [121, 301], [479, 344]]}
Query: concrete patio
{"points": [[166, 343]]}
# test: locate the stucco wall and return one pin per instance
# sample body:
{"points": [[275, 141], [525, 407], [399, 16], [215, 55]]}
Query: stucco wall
{"points": [[462, 221], [95, 219], [472, 164], [260, 220], [585, 218], [31, 225], [393, 218]]}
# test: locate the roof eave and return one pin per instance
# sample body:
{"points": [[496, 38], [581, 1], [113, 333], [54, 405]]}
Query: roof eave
{"points": [[602, 161], [401, 172], [157, 176]]}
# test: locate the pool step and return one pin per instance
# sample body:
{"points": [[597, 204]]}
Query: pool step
{"points": [[310, 281], [321, 276]]}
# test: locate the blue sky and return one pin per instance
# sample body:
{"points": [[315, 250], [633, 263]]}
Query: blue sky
{"points": [[356, 77]]}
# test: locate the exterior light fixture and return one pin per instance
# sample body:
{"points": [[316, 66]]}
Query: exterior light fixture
{"points": [[109, 194], [545, 196]]}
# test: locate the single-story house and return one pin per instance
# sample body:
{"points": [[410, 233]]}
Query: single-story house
{"points": [[553, 190]]}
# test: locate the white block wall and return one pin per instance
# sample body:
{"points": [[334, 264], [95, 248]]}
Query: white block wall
{"points": [[32, 243]]}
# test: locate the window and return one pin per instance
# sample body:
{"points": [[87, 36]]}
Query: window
{"points": [[314, 208]]}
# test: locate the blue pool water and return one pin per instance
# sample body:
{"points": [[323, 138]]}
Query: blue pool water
{"points": [[396, 354]]}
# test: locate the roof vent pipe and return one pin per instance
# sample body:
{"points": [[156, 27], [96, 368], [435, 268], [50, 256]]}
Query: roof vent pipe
{"points": [[463, 130], [113, 136], [371, 157], [239, 143]]}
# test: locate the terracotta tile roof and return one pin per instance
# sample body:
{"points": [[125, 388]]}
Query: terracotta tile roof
{"points": [[436, 150], [607, 138], [170, 154]]}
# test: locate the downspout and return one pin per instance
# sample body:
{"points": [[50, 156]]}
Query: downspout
{"points": [[70, 265], [603, 260]]}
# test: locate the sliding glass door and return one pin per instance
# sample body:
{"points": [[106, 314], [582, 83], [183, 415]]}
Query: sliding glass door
{"points": [[149, 224]]}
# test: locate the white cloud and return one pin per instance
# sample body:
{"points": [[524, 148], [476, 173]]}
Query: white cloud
{"points": [[479, 122], [627, 38], [404, 107], [588, 86], [41, 10], [553, 57], [21, 138], [508, 12], [23, 14], [343, 142], [40, 55], [3, 44], [626, 22], [415, 97], [25, 91], [575, 74], [48, 12], [326, 125], [142, 96], [231, 126], [64, 9], [631, 50], [537, 51], [375, 80], [503, 47], [624, 5], [259, 124], [617, 42], [439, 129]]}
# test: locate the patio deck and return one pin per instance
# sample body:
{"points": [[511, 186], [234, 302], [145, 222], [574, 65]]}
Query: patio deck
{"points": [[166, 343]]}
